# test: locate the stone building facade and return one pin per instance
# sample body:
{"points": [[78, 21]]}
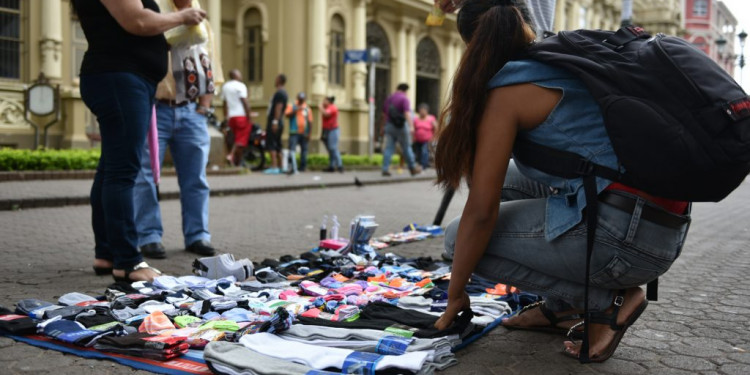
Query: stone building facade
{"points": [[304, 39]]}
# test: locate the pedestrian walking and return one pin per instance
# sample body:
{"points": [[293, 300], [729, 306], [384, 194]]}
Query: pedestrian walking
{"points": [[183, 99], [275, 124], [399, 124], [300, 124], [424, 129], [126, 57], [537, 240], [331, 134], [237, 113]]}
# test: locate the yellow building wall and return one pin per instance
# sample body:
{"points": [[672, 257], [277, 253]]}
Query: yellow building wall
{"points": [[296, 36]]}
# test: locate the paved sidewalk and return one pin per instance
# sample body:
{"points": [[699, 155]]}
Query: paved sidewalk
{"points": [[699, 326], [54, 193]]}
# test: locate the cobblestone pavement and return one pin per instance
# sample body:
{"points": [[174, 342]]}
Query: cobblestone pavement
{"points": [[700, 325]]}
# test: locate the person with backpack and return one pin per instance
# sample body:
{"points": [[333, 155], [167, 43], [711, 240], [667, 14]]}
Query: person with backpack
{"points": [[538, 239], [399, 125], [300, 124]]}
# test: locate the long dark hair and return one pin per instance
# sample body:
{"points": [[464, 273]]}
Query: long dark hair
{"points": [[495, 31]]}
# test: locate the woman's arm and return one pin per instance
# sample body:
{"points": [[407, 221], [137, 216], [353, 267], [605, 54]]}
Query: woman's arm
{"points": [[507, 111], [137, 20]]}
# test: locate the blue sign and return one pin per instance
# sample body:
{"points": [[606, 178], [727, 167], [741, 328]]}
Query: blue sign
{"points": [[353, 56]]}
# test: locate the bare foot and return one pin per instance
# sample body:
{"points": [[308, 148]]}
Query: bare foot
{"points": [[143, 274], [601, 335], [534, 318], [102, 263]]}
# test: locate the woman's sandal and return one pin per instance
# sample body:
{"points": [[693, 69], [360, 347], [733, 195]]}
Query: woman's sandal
{"points": [[128, 271], [552, 327], [611, 320], [102, 271]]}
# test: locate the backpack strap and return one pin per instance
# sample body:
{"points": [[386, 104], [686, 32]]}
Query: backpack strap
{"points": [[571, 165], [559, 163]]}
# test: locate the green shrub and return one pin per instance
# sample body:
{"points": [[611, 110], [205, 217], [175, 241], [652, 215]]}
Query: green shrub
{"points": [[48, 160]]}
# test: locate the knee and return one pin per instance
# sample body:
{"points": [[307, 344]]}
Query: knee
{"points": [[450, 236]]}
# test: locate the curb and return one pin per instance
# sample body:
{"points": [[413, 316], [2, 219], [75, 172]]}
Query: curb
{"points": [[6, 176], [18, 204]]}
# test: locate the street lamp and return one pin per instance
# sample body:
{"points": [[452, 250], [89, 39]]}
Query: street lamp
{"points": [[742, 35]]}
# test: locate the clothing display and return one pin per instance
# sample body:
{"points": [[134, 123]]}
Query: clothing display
{"points": [[325, 310]]}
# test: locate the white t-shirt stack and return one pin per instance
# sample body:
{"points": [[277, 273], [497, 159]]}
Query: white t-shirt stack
{"points": [[231, 92]]}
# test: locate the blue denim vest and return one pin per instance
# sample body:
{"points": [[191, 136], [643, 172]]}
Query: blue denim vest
{"points": [[576, 125]]}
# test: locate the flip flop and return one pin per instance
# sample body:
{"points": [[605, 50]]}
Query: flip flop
{"points": [[553, 326], [137, 267], [102, 271], [611, 320]]}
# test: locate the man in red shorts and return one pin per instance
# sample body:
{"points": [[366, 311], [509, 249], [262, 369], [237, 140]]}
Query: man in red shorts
{"points": [[237, 113]]}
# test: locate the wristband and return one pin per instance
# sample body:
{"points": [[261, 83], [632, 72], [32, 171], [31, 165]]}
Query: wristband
{"points": [[275, 122]]}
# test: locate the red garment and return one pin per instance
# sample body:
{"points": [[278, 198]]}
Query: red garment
{"points": [[423, 129], [677, 207], [332, 121], [241, 129]]}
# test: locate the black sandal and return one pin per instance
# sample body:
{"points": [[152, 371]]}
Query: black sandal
{"points": [[102, 271], [128, 271], [552, 327], [611, 320]]}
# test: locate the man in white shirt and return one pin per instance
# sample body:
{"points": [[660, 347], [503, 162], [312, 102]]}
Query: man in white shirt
{"points": [[237, 113]]}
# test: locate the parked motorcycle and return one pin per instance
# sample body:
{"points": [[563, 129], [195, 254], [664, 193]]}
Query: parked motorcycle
{"points": [[253, 156]]}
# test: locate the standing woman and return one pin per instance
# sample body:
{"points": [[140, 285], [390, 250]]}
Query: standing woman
{"points": [[536, 240], [424, 129], [126, 58]]}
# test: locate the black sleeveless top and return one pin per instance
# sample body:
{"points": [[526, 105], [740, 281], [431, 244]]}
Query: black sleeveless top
{"points": [[112, 49]]}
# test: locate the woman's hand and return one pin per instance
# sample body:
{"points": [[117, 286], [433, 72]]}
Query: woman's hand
{"points": [[449, 6], [192, 16], [455, 306]]}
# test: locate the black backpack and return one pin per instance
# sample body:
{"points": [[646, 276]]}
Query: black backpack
{"points": [[396, 116], [678, 123]]}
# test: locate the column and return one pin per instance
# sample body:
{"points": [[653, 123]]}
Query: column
{"points": [[401, 60], [50, 42], [411, 59], [214, 19], [359, 71], [317, 43]]}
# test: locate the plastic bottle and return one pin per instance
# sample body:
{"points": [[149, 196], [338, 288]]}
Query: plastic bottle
{"points": [[323, 232], [335, 227]]}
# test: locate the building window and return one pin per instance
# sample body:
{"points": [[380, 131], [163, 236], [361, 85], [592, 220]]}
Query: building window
{"points": [[79, 46], [700, 8], [336, 52], [10, 39], [253, 46]]}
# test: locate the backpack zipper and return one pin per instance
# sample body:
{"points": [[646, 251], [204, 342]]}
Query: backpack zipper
{"points": [[657, 39]]}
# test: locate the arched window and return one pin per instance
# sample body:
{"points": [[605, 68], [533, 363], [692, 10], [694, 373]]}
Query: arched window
{"points": [[10, 39], [336, 52], [253, 53], [700, 8]]}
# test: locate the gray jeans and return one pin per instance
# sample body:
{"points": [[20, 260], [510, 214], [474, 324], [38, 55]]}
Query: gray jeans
{"points": [[629, 251]]}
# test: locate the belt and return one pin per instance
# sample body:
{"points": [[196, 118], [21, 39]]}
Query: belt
{"points": [[172, 103], [649, 213]]}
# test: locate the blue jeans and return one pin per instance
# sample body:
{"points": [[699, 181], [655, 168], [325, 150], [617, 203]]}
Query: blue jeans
{"points": [[331, 141], [628, 251], [301, 140], [400, 135], [185, 132], [422, 153], [122, 105]]}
